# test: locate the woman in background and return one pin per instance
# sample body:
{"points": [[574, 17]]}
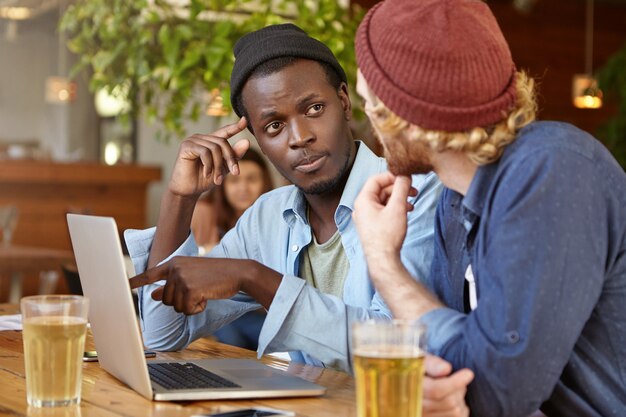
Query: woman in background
{"points": [[218, 210], [216, 213]]}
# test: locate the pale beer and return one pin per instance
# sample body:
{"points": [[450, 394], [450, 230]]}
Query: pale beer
{"points": [[53, 347], [389, 382], [388, 360]]}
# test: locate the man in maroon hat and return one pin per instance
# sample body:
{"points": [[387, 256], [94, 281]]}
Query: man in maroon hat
{"points": [[528, 283]]}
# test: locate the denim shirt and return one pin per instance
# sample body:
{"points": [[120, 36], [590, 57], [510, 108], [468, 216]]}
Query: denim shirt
{"points": [[312, 326], [544, 230]]}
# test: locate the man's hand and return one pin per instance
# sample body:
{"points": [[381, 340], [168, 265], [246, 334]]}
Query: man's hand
{"points": [[191, 281], [444, 393], [204, 160], [380, 215]]}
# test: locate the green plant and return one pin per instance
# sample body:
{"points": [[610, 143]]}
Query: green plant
{"points": [[612, 81], [165, 58]]}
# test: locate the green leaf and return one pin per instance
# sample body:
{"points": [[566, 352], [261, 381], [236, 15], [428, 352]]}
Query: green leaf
{"points": [[223, 28], [183, 32], [612, 80], [164, 34], [171, 48], [101, 60], [194, 114], [207, 77], [192, 56]]}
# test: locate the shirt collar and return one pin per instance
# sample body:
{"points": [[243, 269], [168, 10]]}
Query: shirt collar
{"points": [[366, 163], [477, 193]]}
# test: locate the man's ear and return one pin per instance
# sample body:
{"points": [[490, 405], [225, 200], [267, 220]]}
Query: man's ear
{"points": [[344, 97]]}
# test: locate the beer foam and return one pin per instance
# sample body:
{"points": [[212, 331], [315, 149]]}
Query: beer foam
{"points": [[54, 320], [389, 352]]}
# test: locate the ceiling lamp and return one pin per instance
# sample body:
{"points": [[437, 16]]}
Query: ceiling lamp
{"points": [[59, 88], [215, 106], [15, 13], [112, 104], [524, 6], [585, 91]]}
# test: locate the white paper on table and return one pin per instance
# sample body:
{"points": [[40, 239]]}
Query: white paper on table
{"points": [[11, 322], [281, 355]]}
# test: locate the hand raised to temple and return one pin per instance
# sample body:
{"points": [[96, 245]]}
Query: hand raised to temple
{"points": [[204, 160]]}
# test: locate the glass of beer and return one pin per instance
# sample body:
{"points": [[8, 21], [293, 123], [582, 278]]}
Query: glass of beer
{"points": [[389, 367], [54, 341]]}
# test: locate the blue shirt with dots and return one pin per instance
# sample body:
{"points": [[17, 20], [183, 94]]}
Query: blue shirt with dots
{"points": [[544, 230]]}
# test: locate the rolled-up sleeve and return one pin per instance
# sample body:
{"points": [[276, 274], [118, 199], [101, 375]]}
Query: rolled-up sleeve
{"points": [[304, 319]]}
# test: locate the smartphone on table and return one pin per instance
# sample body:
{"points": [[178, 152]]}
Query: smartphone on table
{"points": [[250, 412], [92, 355]]}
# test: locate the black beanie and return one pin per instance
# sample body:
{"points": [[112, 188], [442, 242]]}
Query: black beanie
{"points": [[254, 48]]}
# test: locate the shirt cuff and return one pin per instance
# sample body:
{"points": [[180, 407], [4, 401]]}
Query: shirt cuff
{"points": [[284, 299], [139, 243], [447, 325]]}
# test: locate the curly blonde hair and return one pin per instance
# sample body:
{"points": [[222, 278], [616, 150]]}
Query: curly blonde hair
{"points": [[483, 145]]}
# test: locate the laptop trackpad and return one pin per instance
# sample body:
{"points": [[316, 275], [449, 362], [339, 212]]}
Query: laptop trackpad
{"points": [[250, 373]]}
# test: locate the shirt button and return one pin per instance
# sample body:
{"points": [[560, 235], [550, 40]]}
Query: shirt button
{"points": [[294, 248], [512, 336]]}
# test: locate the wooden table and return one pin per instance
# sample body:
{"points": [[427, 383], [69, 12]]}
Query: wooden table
{"points": [[103, 395], [16, 261]]}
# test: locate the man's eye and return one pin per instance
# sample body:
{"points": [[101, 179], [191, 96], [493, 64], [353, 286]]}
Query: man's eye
{"points": [[315, 109], [273, 127]]}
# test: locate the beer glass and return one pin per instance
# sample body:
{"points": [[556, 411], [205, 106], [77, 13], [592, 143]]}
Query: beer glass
{"points": [[54, 341], [389, 367]]}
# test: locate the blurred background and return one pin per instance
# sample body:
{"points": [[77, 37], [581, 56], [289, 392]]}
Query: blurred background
{"points": [[95, 96]]}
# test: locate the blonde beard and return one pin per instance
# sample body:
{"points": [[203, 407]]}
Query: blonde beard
{"points": [[406, 157]]}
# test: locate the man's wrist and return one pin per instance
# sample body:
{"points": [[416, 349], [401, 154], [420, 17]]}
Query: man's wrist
{"points": [[407, 297], [259, 281], [176, 199], [173, 226], [383, 264]]}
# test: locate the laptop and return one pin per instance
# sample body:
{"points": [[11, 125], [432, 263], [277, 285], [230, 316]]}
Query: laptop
{"points": [[117, 336]]}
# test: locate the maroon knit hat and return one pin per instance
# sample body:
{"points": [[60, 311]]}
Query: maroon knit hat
{"points": [[439, 64]]}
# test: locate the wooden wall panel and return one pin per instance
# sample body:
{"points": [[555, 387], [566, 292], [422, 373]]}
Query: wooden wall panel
{"points": [[45, 191]]}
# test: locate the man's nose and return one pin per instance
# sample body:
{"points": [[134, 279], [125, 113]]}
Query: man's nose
{"points": [[300, 134]]}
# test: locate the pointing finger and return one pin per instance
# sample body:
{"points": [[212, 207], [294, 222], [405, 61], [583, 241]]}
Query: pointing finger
{"points": [[150, 276]]}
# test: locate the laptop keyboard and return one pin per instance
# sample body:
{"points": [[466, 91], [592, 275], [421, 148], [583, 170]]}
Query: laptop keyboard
{"points": [[175, 376]]}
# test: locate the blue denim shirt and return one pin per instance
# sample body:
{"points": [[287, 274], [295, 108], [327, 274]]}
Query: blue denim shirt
{"points": [[544, 229], [312, 326]]}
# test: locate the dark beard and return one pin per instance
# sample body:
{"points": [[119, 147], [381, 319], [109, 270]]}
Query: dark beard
{"points": [[332, 184], [322, 187]]}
